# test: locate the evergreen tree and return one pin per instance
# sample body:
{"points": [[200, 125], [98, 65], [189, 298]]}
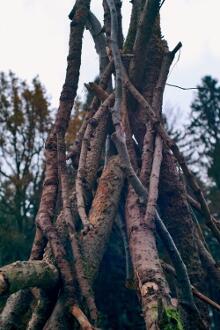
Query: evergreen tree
{"points": [[204, 127]]}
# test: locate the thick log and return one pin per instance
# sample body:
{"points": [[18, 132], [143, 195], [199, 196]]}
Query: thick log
{"points": [[17, 304], [150, 280], [102, 215], [24, 274]]}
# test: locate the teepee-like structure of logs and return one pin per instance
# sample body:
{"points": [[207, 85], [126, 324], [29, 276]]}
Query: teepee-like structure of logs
{"points": [[125, 171]]}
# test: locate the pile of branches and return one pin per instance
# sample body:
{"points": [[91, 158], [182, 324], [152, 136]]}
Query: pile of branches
{"points": [[125, 169]]}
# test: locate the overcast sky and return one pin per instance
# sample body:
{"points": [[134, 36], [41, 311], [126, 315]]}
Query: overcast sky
{"points": [[34, 41]]}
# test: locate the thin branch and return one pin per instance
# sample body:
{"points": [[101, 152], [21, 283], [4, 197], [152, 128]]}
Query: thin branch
{"points": [[97, 33], [81, 174], [5, 175], [129, 269], [162, 3], [183, 88], [139, 188], [199, 229], [147, 154], [181, 271], [107, 149], [195, 291], [206, 299], [154, 182]]}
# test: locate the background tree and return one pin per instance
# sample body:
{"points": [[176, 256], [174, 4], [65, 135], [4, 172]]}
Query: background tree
{"points": [[25, 120], [203, 128], [204, 133], [199, 140]]}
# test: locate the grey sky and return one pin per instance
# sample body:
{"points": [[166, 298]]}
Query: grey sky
{"points": [[34, 40]]}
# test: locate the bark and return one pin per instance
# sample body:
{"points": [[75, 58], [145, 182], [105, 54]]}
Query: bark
{"points": [[44, 306], [95, 148], [154, 182], [102, 215], [135, 14], [178, 220], [147, 155], [150, 280], [25, 274], [144, 32], [97, 33], [19, 303]]}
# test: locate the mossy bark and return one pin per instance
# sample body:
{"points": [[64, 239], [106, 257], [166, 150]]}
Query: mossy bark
{"points": [[24, 274]]}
